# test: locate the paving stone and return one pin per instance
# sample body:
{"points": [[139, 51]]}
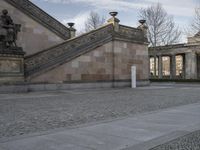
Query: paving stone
{"points": [[21, 114], [188, 142], [118, 134]]}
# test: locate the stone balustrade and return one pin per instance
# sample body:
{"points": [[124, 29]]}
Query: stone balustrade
{"points": [[132, 33], [67, 50]]}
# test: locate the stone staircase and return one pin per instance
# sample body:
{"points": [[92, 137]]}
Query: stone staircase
{"points": [[50, 58]]}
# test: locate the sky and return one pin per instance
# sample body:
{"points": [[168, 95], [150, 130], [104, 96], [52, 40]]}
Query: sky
{"points": [[77, 11]]}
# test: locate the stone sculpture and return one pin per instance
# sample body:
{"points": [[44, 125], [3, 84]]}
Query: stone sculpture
{"points": [[8, 32]]}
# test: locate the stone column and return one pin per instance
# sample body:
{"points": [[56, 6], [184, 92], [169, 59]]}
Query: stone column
{"points": [[183, 69], [173, 67], [191, 65], [150, 76], [160, 74], [114, 21], [155, 64]]}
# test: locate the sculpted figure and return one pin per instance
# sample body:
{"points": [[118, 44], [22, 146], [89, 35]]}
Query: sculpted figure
{"points": [[8, 30]]}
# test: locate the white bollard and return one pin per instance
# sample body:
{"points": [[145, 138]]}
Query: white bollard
{"points": [[133, 76]]}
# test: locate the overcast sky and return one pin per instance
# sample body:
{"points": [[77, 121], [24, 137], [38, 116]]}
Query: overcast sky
{"points": [[78, 10]]}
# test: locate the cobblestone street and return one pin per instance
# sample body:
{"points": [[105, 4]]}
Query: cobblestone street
{"points": [[35, 112]]}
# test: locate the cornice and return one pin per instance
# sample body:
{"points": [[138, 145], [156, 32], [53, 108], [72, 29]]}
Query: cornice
{"points": [[167, 47]]}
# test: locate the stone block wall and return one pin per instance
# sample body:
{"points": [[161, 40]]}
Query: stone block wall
{"points": [[105, 63], [128, 54], [33, 36]]}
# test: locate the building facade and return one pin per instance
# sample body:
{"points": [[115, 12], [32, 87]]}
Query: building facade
{"points": [[54, 55]]}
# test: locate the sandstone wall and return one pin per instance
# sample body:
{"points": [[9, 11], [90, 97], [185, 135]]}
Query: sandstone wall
{"points": [[128, 54], [102, 64], [33, 37]]}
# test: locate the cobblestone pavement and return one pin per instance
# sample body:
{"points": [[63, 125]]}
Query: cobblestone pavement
{"points": [[188, 142], [34, 112]]}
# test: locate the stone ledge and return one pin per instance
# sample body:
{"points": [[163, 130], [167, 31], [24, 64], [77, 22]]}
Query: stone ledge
{"points": [[31, 87], [86, 85], [4, 89], [18, 51]]}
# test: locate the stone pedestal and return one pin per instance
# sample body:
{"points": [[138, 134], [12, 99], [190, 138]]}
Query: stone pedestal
{"points": [[12, 66], [72, 30], [115, 21]]}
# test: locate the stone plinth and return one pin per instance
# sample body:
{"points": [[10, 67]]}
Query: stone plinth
{"points": [[12, 66]]}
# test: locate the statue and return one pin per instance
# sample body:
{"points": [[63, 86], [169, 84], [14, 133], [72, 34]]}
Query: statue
{"points": [[8, 31]]}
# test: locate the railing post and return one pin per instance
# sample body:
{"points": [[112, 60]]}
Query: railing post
{"points": [[72, 30], [115, 21], [143, 27]]}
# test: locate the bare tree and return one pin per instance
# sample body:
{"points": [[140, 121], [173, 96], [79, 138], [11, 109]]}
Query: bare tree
{"points": [[195, 25], [162, 28], [94, 21]]}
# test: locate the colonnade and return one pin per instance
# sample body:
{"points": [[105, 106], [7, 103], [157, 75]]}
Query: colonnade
{"points": [[189, 66]]}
